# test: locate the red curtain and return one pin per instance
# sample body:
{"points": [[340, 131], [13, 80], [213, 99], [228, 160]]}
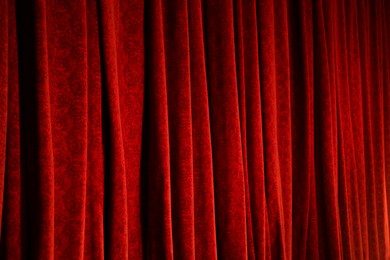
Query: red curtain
{"points": [[195, 129]]}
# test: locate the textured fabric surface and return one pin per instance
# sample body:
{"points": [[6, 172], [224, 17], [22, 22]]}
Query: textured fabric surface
{"points": [[195, 129]]}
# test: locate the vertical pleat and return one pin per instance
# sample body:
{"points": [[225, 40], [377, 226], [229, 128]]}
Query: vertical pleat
{"points": [[269, 98], [325, 132], [282, 82], [36, 135], [94, 233], [225, 130], [11, 231], [178, 88], [204, 210], [131, 83], [255, 186], [3, 95], [304, 232], [345, 144], [313, 247], [364, 41], [36, 131], [352, 136], [376, 70], [376, 67], [355, 93], [115, 189], [67, 69], [158, 216], [240, 72]]}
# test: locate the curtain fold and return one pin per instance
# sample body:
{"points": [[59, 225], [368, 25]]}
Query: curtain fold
{"points": [[194, 129]]}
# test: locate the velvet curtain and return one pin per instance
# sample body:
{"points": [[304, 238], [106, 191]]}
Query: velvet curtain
{"points": [[195, 129]]}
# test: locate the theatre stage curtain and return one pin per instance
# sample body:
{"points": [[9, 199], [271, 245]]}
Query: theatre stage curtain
{"points": [[195, 129]]}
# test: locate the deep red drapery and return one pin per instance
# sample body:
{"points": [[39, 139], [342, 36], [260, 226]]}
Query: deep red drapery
{"points": [[161, 129]]}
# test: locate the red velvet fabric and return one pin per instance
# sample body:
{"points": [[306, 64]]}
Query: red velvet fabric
{"points": [[195, 129]]}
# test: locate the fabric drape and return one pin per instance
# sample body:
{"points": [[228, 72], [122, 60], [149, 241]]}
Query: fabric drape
{"points": [[195, 129]]}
